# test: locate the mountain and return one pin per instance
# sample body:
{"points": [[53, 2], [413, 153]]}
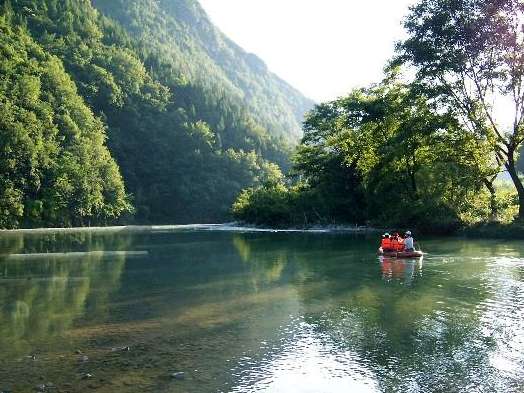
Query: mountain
{"points": [[182, 30], [188, 116], [54, 166]]}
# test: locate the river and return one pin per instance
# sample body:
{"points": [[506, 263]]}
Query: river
{"points": [[196, 310]]}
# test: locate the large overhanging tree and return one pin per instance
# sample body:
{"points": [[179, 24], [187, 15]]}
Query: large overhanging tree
{"points": [[472, 53]]}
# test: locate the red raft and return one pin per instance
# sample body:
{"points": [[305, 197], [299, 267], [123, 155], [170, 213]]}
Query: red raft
{"points": [[400, 254]]}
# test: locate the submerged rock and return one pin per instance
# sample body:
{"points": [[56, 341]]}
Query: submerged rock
{"points": [[45, 387], [121, 349], [178, 375]]}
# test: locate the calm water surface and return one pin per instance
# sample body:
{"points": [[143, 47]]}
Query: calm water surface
{"points": [[258, 312]]}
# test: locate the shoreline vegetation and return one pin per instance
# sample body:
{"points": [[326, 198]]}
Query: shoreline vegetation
{"points": [[105, 122], [230, 227], [486, 230], [509, 231], [424, 150]]}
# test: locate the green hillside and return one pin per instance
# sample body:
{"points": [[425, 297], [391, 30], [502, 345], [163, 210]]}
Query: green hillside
{"points": [[182, 30], [190, 118], [54, 166]]}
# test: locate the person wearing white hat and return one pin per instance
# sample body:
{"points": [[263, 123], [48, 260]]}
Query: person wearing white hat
{"points": [[409, 242]]}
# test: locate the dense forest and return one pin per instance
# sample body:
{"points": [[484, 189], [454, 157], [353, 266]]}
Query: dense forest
{"points": [[132, 111], [423, 148], [141, 111]]}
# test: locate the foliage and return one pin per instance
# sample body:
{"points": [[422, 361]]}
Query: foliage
{"points": [[179, 36], [470, 54], [427, 153], [495, 230], [189, 128], [54, 166], [384, 155], [269, 204]]}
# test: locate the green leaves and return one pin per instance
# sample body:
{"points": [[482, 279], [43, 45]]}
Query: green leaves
{"points": [[469, 53], [190, 118], [54, 167], [381, 154]]}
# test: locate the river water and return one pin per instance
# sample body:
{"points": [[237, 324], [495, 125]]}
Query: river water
{"points": [[257, 312]]}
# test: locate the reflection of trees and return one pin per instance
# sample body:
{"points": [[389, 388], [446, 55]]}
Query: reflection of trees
{"points": [[421, 331], [207, 301], [38, 242], [429, 336], [266, 265], [40, 299]]}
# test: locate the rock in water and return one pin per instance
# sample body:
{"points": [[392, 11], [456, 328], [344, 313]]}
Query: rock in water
{"points": [[123, 349], [178, 375]]}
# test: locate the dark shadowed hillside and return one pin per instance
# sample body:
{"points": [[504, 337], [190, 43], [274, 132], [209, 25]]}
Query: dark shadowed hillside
{"points": [[190, 118]]}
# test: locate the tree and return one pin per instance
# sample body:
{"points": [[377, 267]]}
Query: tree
{"points": [[383, 154], [471, 52], [55, 168], [411, 163]]}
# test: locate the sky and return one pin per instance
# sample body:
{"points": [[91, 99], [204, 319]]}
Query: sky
{"points": [[323, 48]]}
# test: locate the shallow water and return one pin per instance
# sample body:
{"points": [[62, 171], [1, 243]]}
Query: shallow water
{"points": [[257, 312]]}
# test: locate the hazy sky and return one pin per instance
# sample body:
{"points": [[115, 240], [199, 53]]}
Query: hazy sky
{"points": [[323, 48]]}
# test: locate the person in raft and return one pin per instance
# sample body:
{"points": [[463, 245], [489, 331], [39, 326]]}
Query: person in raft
{"points": [[397, 243], [409, 243], [387, 244]]}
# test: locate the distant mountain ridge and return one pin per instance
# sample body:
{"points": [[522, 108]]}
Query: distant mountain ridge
{"points": [[182, 28]]}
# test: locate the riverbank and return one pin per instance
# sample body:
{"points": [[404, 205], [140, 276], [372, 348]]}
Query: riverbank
{"points": [[511, 231], [493, 230], [483, 231], [231, 227]]}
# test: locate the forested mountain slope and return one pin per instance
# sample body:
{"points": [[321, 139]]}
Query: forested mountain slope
{"points": [[182, 30], [186, 136], [54, 166]]}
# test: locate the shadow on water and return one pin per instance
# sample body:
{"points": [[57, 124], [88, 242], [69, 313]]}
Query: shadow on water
{"points": [[259, 312]]}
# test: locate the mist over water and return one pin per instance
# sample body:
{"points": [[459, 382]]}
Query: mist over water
{"points": [[258, 312]]}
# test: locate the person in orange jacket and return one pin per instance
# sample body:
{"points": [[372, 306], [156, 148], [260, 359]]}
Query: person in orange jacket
{"points": [[394, 242], [399, 243], [386, 243]]}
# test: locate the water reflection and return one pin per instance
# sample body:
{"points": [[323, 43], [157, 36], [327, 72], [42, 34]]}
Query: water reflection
{"points": [[426, 335], [308, 364], [401, 270], [42, 292], [262, 312]]}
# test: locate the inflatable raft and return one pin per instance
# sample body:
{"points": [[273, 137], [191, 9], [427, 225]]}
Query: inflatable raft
{"points": [[400, 254]]}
